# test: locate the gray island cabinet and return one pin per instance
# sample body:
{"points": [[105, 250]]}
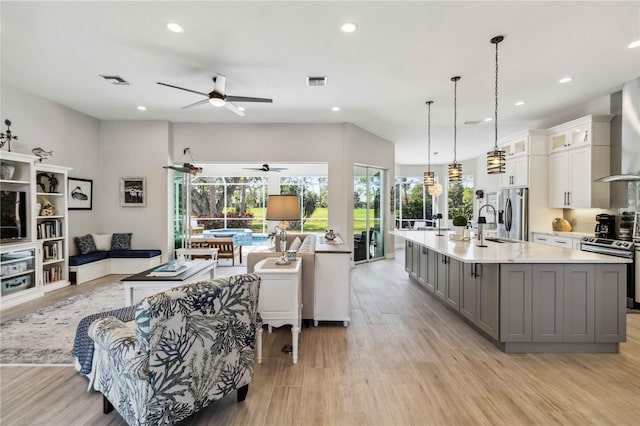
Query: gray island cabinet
{"points": [[524, 296]]}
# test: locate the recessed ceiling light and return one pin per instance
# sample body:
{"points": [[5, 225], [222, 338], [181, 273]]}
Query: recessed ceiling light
{"points": [[519, 103], [488, 119], [634, 44], [241, 108], [335, 109], [565, 80], [142, 108], [348, 27], [175, 28]]}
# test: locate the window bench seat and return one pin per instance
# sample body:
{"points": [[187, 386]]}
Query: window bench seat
{"points": [[87, 267]]}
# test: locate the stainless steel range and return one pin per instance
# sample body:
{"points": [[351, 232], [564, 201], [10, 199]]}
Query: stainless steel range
{"points": [[618, 248]]}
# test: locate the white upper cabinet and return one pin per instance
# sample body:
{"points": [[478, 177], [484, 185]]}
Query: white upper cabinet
{"points": [[579, 152], [518, 148]]}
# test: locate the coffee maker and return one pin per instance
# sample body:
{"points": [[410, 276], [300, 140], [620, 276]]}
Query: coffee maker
{"points": [[606, 226]]}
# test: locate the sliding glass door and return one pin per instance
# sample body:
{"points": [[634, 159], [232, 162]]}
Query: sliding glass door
{"points": [[368, 213]]}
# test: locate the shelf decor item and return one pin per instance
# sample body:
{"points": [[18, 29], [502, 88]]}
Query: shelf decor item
{"points": [[7, 170], [7, 136], [429, 176], [455, 168], [80, 194], [133, 192], [496, 161]]}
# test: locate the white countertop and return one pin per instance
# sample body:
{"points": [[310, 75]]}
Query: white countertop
{"points": [[506, 252]]}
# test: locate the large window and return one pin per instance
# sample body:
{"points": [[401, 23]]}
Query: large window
{"points": [[411, 204], [460, 202], [229, 202], [313, 192]]}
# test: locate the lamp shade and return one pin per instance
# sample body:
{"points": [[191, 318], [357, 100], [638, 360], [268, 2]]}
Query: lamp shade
{"points": [[283, 207], [496, 162]]}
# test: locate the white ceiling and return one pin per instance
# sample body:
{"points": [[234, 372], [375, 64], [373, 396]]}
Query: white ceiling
{"points": [[403, 54]]}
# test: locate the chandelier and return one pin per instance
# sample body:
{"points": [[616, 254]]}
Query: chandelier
{"points": [[496, 161]]}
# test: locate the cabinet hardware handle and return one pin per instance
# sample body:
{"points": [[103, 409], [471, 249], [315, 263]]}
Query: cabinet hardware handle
{"points": [[561, 242], [542, 239], [568, 198]]}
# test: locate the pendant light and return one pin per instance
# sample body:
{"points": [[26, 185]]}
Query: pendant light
{"points": [[429, 176], [455, 168], [496, 161]]}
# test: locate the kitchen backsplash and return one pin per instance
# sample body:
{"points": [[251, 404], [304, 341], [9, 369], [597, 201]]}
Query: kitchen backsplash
{"points": [[583, 220]]}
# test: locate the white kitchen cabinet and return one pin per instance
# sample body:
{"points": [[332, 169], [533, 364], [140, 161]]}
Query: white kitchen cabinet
{"points": [[564, 241], [579, 154], [518, 149]]}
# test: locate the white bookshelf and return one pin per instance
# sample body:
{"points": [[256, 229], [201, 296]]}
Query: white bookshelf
{"points": [[36, 261]]}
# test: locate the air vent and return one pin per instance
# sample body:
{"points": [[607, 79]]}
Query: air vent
{"points": [[316, 81], [115, 79]]}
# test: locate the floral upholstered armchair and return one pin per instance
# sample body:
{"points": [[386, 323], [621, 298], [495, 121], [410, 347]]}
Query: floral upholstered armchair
{"points": [[188, 347]]}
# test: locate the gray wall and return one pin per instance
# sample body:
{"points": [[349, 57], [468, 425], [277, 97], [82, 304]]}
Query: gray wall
{"points": [[106, 151], [74, 138]]}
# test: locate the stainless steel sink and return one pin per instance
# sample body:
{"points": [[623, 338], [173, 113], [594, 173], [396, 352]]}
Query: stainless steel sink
{"points": [[495, 240]]}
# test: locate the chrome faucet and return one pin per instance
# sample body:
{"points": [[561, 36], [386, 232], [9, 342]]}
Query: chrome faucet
{"points": [[495, 219]]}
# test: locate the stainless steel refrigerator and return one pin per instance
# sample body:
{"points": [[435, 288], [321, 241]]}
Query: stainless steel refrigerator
{"points": [[513, 207]]}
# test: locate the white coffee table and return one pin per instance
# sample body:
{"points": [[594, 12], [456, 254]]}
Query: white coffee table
{"points": [[280, 301], [198, 270]]}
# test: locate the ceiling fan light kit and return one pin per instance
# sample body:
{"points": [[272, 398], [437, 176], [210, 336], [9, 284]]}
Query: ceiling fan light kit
{"points": [[218, 97], [429, 176], [496, 159], [455, 168]]}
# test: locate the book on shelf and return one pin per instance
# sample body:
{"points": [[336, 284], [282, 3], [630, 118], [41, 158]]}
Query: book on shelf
{"points": [[51, 228]]}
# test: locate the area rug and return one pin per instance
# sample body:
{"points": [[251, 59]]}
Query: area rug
{"points": [[46, 335]]}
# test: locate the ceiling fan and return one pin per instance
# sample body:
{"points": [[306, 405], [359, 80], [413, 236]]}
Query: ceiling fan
{"points": [[266, 168], [218, 98]]}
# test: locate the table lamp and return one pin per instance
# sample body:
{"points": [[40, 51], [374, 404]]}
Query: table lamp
{"points": [[283, 208]]}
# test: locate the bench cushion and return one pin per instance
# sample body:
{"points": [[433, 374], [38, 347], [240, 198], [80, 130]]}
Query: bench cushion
{"points": [[128, 254], [83, 259]]}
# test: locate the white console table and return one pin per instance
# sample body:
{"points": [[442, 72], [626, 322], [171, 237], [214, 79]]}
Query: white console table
{"points": [[280, 301]]}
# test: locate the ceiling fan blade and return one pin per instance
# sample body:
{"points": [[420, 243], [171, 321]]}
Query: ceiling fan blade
{"points": [[182, 88], [248, 99], [219, 84], [234, 108], [204, 101]]}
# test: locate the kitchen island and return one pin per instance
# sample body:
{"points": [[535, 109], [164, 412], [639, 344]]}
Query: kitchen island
{"points": [[525, 297]]}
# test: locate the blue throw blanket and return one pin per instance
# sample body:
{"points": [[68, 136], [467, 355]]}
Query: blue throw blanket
{"points": [[83, 345]]}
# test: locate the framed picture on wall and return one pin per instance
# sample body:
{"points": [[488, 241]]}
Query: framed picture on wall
{"points": [[133, 192], [80, 195]]}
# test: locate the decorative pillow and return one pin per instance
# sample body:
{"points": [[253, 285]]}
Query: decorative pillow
{"points": [[85, 244], [121, 242], [295, 245], [305, 247], [102, 241]]}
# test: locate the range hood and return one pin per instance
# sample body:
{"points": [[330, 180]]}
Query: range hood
{"points": [[625, 136]]}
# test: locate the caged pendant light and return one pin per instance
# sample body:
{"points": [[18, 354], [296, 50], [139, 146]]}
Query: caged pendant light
{"points": [[455, 168], [496, 161], [429, 176]]}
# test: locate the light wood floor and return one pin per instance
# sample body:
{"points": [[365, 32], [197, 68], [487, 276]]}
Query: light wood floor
{"points": [[405, 359]]}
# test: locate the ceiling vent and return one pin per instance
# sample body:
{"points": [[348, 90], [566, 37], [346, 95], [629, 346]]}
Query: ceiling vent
{"points": [[316, 81], [115, 79]]}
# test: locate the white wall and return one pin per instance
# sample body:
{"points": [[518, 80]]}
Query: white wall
{"points": [[135, 149], [338, 145], [74, 138]]}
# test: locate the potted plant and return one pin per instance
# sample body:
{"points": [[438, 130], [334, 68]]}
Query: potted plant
{"points": [[459, 223]]}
